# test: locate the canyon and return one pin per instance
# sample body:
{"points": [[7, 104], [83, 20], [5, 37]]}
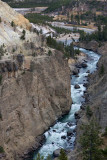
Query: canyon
{"points": [[36, 90], [96, 98]]}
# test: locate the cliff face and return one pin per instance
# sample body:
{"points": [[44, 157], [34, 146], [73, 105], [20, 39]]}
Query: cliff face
{"points": [[12, 25], [98, 89], [97, 97], [34, 87], [8, 15], [32, 102]]}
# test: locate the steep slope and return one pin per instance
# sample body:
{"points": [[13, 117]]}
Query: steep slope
{"points": [[32, 102], [34, 86], [10, 15], [96, 99], [12, 26], [98, 89]]}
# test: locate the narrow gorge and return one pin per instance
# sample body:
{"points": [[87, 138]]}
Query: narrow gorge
{"points": [[53, 81], [63, 133]]}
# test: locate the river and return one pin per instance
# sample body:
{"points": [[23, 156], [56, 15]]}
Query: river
{"points": [[63, 25], [54, 135]]}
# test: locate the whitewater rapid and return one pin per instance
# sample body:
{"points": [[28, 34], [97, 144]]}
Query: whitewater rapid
{"points": [[54, 135]]}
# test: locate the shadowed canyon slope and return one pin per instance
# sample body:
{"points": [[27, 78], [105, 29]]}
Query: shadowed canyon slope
{"points": [[96, 98]]}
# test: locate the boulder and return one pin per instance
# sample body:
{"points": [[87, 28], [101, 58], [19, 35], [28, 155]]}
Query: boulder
{"points": [[93, 45], [78, 65], [69, 124], [69, 133], [75, 71], [77, 75], [85, 61], [83, 107], [88, 71], [86, 97], [76, 86], [54, 130], [63, 137], [56, 153], [84, 65], [77, 116], [85, 92], [85, 85]]}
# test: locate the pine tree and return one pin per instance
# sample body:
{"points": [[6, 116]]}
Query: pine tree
{"points": [[72, 18], [49, 157], [12, 24], [71, 50], [23, 35], [90, 142], [39, 157], [0, 20], [63, 155], [102, 70]]}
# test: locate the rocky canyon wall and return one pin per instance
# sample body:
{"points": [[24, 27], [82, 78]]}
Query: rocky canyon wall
{"points": [[96, 97], [32, 99], [32, 102]]}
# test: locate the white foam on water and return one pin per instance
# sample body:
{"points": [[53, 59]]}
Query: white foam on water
{"points": [[54, 134], [76, 94]]}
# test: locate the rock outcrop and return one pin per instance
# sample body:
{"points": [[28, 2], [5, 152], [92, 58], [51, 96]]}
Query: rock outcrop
{"points": [[12, 27], [32, 102], [92, 45], [40, 93], [7, 14], [97, 91]]}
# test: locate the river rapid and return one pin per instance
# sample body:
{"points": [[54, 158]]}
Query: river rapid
{"points": [[57, 136]]}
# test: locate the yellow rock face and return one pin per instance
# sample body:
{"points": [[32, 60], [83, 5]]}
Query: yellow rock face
{"points": [[8, 15], [20, 20]]}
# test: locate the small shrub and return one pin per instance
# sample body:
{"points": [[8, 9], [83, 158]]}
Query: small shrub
{"points": [[54, 44], [49, 157], [0, 20], [0, 116], [77, 51], [49, 53], [102, 70], [13, 50], [24, 32], [104, 152], [105, 133], [63, 155], [34, 54], [0, 79], [66, 55], [12, 24], [89, 113], [23, 35], [1, 51], [39, 157], [100, 44], [23, 72], [1, 149]]}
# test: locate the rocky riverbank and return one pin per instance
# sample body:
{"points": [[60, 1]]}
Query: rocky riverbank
{"points": [[78, 62], [96, 96]]}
